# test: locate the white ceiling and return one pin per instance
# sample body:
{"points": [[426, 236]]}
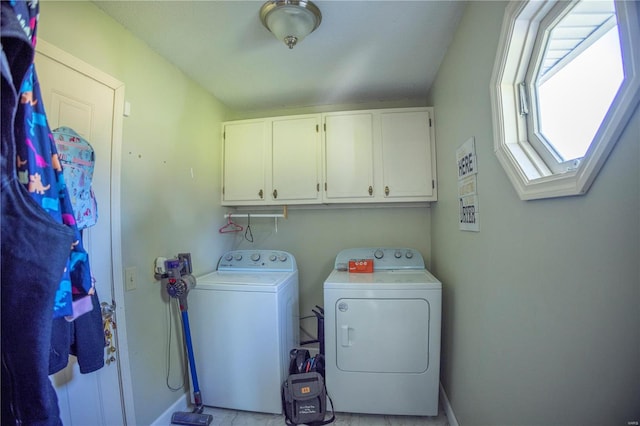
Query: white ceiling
{"points": [[363, 51]]}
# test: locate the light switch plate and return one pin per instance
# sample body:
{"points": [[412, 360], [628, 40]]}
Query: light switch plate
{"points": [[130, 279]]}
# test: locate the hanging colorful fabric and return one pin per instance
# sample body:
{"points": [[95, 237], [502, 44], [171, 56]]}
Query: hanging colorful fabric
{"points": [[77, 158], [40, 171]]}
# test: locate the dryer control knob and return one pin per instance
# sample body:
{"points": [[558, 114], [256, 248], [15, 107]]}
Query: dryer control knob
{"points": [[283, 258], [255, 257], [238, 257], [228, 257], [273, 258], [409, 255], [378, 254], [398, 254]]}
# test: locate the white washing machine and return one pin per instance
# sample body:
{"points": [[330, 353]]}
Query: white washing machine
{"points": [[245, 320], [382, 334]]}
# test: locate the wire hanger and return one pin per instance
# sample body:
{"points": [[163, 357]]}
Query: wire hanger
{"points": [[231, 226], [248, 235]]}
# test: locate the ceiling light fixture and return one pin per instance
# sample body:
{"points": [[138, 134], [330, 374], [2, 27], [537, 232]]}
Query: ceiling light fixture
{"points": [[290, 20]]}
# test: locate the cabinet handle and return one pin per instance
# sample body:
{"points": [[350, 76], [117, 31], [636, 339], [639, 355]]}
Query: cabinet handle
{"points": [[318, 187], [370, 190], [275, 193], [261, 194], [386, 191]]}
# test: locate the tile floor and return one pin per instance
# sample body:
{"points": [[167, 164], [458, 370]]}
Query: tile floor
{"points": [[224, 417]]}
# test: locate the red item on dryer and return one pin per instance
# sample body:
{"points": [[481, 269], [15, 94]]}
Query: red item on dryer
{"points": [[361, 266]]}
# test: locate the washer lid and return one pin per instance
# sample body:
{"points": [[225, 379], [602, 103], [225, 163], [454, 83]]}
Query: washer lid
{"points": [[383, 280], [243, 281]]}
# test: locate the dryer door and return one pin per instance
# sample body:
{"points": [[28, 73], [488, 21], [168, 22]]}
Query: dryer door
{"points": [[382, 335]]}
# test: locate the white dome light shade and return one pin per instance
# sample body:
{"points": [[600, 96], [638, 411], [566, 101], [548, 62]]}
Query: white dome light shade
{"points": [[290, 20]]}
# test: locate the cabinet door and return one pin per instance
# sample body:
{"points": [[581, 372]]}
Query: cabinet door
{"points": [[407, 155], [349, 157], [296, 160], [244, 162]]}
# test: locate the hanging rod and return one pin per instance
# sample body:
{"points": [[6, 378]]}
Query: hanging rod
{"points": [[240, 215], [284, 214]]}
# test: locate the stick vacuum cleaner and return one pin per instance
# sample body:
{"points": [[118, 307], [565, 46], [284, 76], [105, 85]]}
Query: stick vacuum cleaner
{"points": [[178, 281]]}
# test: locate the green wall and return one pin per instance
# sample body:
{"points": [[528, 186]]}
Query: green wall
{"points": [[541, 306]]}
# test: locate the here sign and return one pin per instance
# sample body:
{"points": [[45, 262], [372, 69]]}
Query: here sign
{"points": [[469, 218], [467, 164]]}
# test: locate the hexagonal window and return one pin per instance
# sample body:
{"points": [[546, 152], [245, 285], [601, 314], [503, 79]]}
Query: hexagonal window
{"points": [[565, 83]]}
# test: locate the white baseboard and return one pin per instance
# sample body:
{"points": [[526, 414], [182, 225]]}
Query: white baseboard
{"points": [[448, 409], [165, 418]]}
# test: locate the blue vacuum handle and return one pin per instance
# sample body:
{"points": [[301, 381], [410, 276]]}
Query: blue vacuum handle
{"points": [[192, 362]]}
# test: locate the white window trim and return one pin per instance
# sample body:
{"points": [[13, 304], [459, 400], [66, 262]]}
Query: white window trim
{"points": [[529, 175]]}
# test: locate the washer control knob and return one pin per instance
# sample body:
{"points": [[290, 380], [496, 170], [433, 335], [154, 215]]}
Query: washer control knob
{"points": [[398, 254], [283, 258], [255, 257], [273, 257], [228, 257], [409, 255], [238, 257], [378, 254]]}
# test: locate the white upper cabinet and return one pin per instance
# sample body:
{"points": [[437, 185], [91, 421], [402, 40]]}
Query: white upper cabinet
{"points": [[371, 156], [245, 146], [408, 155], [295, 166], [348, 156], [272, 161], [385, 155]]}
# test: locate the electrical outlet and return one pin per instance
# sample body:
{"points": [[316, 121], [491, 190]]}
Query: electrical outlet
{"points": [[130, 279]]}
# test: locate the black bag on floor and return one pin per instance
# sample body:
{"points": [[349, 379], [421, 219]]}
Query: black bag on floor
{"points": [[304, 394]]}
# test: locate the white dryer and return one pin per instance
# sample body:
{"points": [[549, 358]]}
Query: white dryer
{"points": [[245, 320], [382, 334]]}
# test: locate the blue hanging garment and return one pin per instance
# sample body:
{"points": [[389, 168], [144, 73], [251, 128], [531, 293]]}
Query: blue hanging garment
{"points": [[34, 248]]}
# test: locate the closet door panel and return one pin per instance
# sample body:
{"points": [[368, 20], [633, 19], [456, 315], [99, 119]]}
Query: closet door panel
{"points": [[296, 160], [406, 154], [245, 150], [349, 157]]}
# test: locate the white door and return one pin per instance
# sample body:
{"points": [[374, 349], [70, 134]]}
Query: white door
{"points": [[82, 98]]}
